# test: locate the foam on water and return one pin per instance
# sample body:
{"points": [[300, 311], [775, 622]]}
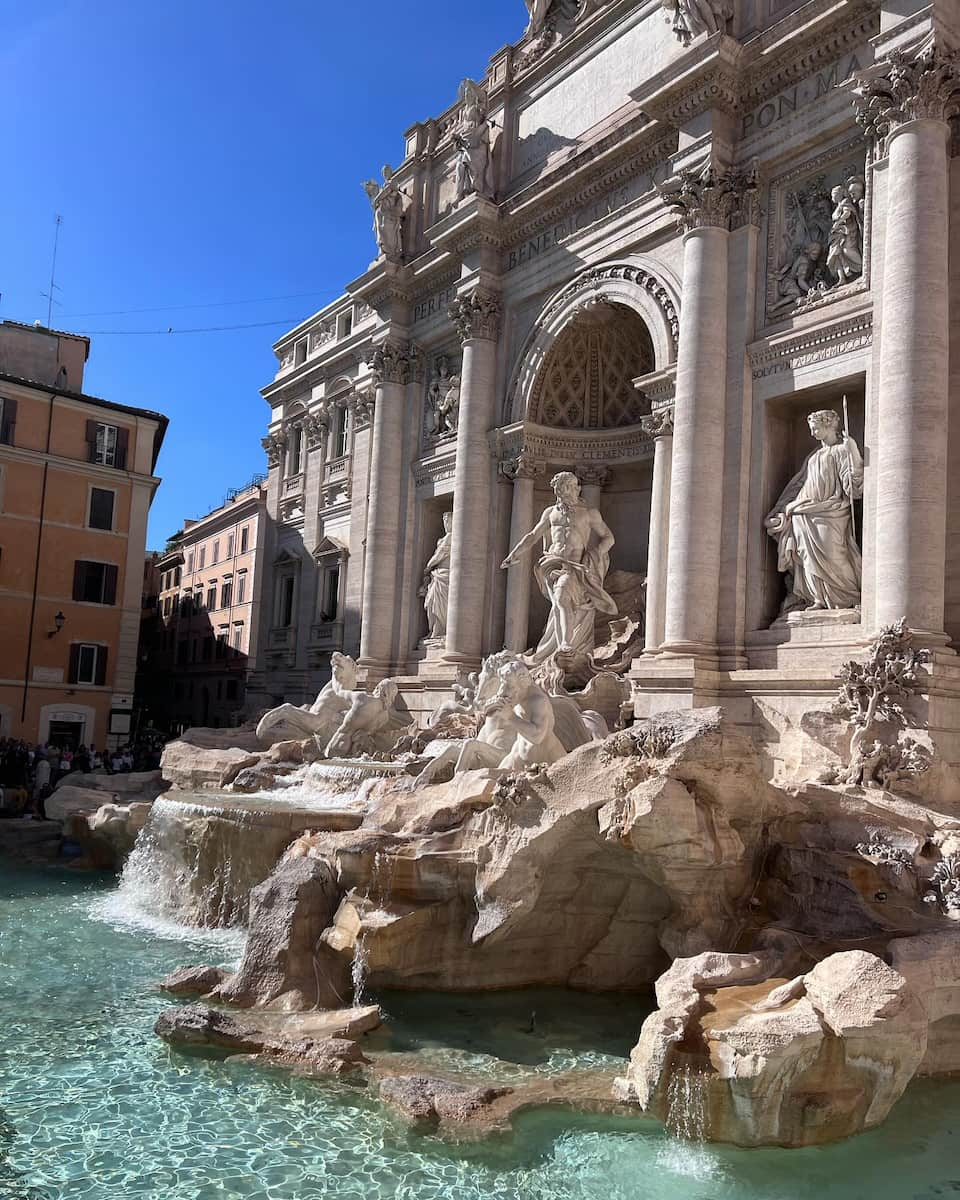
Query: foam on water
{"points": [[119, 909]]}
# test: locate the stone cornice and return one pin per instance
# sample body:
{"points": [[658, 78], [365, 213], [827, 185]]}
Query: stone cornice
{"points": [[583, 449], [908, 87], [788, 352], [477, 315]]}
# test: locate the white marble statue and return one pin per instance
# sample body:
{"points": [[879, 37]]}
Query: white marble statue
{"points": [[690, 18], [322, 717], [435, 589], [812, 522], [474, 150], [571, 570], [517, 731], [798, 279], [370, 724], [387, 202], [845, 252]]}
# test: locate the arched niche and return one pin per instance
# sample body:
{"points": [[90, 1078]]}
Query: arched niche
{"points": [[630, 287]]}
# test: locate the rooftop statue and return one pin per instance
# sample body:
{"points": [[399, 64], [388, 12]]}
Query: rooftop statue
{"points": [[690, 18], [474, 150], [570, 573], [387, 202], [812, 522]]}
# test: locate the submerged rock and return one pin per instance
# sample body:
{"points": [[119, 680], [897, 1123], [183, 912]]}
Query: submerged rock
{"points": [[424, 1100]]}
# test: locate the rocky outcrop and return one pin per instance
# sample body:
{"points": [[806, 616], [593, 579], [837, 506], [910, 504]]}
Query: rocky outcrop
{"points": [[286, 964], [425, 1101], [108, 835], [777, 1062], [192, 981], [193, 768], [320, 1047]]}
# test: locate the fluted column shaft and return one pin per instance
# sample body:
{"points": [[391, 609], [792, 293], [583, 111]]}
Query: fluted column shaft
{"points": [[696, 491], [380, 569], [519, 575], [658, 541], [911, 486], [477, 319]]}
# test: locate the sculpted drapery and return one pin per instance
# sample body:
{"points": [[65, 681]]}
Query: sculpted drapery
{"points": [[812, 522]]}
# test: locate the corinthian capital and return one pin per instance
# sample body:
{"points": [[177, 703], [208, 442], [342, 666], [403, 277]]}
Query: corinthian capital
{"points": [[477, 315], [658, 423], [702, 199], [393, 362], [908, 87]]}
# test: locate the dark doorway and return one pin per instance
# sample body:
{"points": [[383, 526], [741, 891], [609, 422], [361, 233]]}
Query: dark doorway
{"points": [[65, 734]]}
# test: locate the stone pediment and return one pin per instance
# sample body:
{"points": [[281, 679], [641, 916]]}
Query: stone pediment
{"points": [[331, 547]]}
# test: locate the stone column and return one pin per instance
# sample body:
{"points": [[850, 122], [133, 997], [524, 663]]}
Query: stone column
{"points": [[704, 204], [904, 111], [660, 427], [391, 365], [477, 318], [592, 482], [524, 472]]}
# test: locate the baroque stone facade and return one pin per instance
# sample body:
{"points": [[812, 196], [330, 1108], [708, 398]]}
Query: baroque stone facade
{"points": [[645, 251]]}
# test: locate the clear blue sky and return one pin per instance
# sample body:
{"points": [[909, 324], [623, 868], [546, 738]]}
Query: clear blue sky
{"points": [[204, 152]]}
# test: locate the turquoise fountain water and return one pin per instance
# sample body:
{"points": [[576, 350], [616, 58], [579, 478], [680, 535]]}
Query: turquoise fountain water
{"points": [[94, 1106]]}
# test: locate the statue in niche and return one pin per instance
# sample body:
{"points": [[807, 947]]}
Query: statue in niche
{"points": [[798, 278], [387, 202], [690, 18], [474, 151], [517, 731], [812, 522], [571, 571], [436, 583], [845, 255]]}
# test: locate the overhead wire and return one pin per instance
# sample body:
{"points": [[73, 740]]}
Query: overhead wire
{"points": [[123, 312], [289, 322]]}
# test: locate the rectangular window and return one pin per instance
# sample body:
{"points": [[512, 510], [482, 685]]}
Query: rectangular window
{"points": [[107, 445], [215, 558], [198, 601], [88, 664], [176, 577], [101, 509], [238, 637], [225, 594], [207, 654], [346, 324], [342, 429], [244, 539], [211, 598], [287, 588], [294, 450], [94, 583], [330, 594], [190, 562], [231, 541], [300, 352], [8, 420], [222, 644], [241, 586], [202, 559]]}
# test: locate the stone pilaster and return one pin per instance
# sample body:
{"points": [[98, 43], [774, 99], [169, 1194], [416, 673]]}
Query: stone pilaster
{"points": [[904, 105], [476, 316], [524, 472], [391, 364], [704, 204], [659, 425]]}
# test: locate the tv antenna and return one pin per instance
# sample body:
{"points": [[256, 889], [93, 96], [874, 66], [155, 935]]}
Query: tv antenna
{"points": [[53, 271]]}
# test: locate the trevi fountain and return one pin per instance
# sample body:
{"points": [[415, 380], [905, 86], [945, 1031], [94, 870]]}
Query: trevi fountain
{"points": [[606, 841]]}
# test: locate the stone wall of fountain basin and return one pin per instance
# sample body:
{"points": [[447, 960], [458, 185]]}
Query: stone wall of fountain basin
{"points": [[802, 939], [200, 855]]}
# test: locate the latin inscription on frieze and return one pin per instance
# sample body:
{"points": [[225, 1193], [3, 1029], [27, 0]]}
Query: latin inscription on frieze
{"points": [[439, 302], [808, 91]]}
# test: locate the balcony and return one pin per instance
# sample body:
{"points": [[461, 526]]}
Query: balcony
{"points": [[326, 635]]}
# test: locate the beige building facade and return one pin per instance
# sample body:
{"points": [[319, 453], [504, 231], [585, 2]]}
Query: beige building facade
{"points": [[646, 250], [76, 482], [205, 648]]}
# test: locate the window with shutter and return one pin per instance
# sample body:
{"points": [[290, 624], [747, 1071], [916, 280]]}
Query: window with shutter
{"points": [[94, 583], [8, 420], [101, 509]]}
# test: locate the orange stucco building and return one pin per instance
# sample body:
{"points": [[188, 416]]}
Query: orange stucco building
{"points": [[76, 482]]}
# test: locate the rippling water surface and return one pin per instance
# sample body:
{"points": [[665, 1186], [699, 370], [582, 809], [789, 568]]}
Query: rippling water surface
{"points": [[94, 1106]]}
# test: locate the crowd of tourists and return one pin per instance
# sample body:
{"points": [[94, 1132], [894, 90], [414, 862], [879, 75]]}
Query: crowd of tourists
{"points": [[28, 773]]}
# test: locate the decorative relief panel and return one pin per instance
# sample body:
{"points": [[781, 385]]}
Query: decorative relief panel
{"points": [[818, 237], [442, 404]]}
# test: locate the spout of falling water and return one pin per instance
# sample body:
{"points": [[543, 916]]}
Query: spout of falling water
{"points": [[358, 969], [687, 1101]]}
